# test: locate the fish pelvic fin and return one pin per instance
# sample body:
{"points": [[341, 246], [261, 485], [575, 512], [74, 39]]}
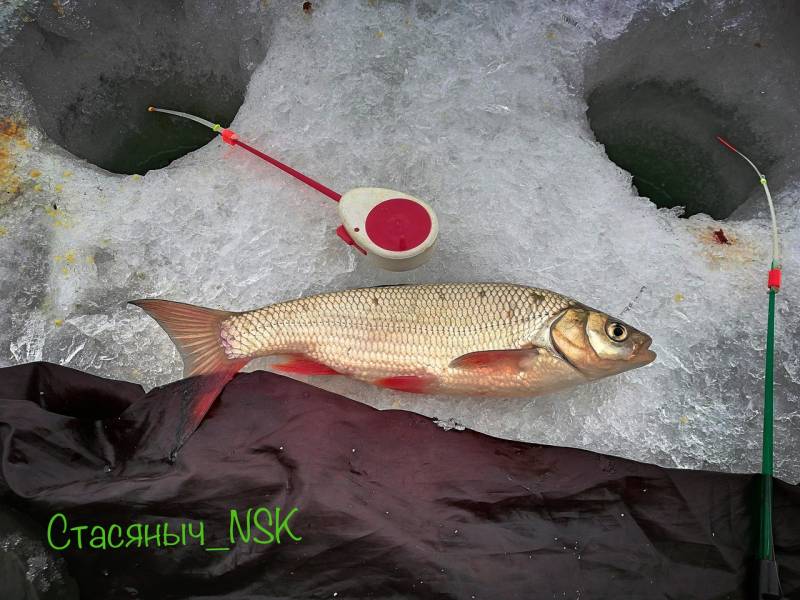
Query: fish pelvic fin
{"points": [[195, 331], [413, 384], [302, 365]]}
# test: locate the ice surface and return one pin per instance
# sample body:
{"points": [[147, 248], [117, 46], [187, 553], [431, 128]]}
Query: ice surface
{"points": [[91, 75], [480, 108], [29, 569]]}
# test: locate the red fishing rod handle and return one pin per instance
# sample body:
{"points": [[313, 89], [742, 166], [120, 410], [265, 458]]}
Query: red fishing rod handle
{"points": [[229, 137]]}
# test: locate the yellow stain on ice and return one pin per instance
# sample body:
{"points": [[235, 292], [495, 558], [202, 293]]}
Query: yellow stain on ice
{"points": [[683, 420], [136, 176], [550, 35], [37, 187], [379, 34], [35, 173], [67, 174], [12, 138], [678, 297], [58, 216], [58, 322], [3, 231], [59, 187], [90, 260], [65, 260]]}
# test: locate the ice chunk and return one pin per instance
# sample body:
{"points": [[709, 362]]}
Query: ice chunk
{"points": [[28, 567], [449, 424], [479, 108]]}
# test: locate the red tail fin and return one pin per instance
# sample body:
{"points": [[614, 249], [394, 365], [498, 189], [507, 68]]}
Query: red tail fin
{"points": [[195, 331]]}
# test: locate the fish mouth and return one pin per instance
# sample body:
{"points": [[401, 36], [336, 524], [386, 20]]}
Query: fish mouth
{"points": [[643, 354]]}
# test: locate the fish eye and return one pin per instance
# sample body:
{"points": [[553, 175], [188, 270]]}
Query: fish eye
{"points": [[616, 331]]}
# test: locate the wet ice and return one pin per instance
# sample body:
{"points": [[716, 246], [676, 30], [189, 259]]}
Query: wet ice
{"points": [[479, 108]]}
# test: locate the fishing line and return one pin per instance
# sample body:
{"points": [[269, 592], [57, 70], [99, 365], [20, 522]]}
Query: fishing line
{"points": [[634, 301], [769, 582]]}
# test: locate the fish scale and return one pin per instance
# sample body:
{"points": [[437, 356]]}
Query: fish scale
{"points": [[413, 330], [474, 338]]}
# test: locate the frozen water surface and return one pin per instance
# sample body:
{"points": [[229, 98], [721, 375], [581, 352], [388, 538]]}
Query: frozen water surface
{"points": [[478, 107]]}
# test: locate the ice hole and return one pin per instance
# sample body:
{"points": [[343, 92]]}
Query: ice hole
{"points": [[659, 93], [664, 135], [92, 74]]}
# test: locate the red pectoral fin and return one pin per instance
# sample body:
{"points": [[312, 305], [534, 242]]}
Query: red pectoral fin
{"points": [[303, 365], [496, 360], [414, 384]]}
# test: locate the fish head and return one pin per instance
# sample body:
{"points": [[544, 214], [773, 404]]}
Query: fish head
{"points": [[597, 344]]}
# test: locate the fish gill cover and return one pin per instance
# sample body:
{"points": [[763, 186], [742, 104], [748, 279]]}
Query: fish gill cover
{"points": [[480, 107]]}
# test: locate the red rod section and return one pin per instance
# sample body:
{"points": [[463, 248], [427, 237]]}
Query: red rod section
{"points": [[727, 144], [774, 279], [307, 180]]}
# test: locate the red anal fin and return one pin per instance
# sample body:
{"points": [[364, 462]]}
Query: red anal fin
{"points": [[495, 360], [302, 365], [207, 387], [414, 384]]}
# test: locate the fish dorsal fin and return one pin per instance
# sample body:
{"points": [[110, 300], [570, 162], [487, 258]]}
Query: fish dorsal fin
{"points": [[492, 360]]}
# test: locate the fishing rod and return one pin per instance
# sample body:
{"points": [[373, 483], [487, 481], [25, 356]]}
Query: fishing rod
{"points": [[769, 585], [395, 230]]}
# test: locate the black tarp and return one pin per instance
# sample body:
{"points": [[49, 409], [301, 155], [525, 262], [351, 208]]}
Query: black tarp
{"points": [[389, 505]]}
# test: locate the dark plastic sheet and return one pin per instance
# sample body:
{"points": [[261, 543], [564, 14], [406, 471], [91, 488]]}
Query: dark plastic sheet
{"points": [[389, 505]]}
